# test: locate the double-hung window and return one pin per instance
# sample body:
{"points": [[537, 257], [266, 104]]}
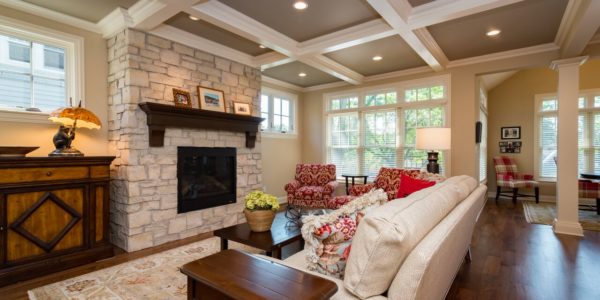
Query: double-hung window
{"points": [[39, 68], [278, 110], [371, 128], [588, 134]]}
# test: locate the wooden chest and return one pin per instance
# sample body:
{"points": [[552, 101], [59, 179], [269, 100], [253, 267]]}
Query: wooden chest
{"points": [[54, 214]]}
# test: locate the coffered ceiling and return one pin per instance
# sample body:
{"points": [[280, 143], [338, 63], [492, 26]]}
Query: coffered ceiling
{"points": [[334, 41]]}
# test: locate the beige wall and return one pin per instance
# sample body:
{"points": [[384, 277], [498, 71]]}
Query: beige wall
{"points": [[512, 104], [464, 109], [281, 154], [90, 142]]}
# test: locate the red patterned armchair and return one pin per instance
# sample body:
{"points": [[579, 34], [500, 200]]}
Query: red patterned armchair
{"points": [[508, 176], [387, 179], [312, 187]]}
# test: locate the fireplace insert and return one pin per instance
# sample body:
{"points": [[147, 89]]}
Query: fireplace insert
{"points": [[206, 177]]}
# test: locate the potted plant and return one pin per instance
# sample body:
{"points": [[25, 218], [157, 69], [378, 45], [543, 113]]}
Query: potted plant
{"points": [[260, 210]]}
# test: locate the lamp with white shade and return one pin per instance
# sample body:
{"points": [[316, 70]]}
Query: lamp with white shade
{"points": [[433, 140]]}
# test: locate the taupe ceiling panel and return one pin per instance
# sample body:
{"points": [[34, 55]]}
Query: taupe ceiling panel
{"points": [[321, 16], [215, 34], [89, 10], [523, 24], [415, 3], [396, 53], [289, 73]]}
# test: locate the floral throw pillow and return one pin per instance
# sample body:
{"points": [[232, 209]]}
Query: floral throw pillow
{"points": [[329, 237]]}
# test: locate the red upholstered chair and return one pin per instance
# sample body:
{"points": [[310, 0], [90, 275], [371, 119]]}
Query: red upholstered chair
{"points": [[312, 187], [387, 179], [508, 176]]}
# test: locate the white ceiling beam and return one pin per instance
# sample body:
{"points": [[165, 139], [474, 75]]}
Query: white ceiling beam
{"points": [[389, 10], [578, 26], [271, 59], [345, 38], [280, 83], [148, 14], [333, 68], [445, 10]]}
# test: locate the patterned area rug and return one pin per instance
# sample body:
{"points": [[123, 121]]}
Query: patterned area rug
{"points": [[153, 277], [544, 213]]}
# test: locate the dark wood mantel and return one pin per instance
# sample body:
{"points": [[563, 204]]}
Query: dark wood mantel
{"points": [[161, 116]]}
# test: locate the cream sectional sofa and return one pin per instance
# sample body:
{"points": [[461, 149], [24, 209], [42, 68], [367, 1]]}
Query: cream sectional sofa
{"points": [[410, 248]]}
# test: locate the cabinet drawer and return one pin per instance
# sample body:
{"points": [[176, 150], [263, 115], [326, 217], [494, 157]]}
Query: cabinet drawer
{"points": [[43, 174]]}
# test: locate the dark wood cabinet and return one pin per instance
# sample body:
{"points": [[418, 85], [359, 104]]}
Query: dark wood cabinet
{"points": [[54, 214]]}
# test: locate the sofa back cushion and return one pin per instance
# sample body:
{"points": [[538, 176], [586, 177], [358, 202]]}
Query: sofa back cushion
{"points": [[329, 236], [315, 174], [389, 233]]}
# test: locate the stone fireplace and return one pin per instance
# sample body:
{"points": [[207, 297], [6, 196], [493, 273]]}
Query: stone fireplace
{"points": [[144, 190]]}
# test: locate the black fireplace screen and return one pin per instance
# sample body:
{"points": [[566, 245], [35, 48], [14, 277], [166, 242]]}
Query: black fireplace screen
{"points": [[206, 177]]}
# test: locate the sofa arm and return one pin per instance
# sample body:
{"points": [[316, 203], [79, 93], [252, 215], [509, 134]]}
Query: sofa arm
{"points": [[329, 188], [359, 189], [292, 186]]}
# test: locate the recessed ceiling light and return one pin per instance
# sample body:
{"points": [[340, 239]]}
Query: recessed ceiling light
{"points": [[262, 46], [493, 32], [302, 74], [377, 58], [194, 18], [300, 5]]}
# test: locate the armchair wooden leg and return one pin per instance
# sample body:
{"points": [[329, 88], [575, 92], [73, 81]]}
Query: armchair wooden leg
{"points": [[537, 194], [497, 193], [468, 255], [598, 206], [515, 194]]}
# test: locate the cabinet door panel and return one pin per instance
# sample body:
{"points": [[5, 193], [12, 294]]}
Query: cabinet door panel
{"points": [[44, 222], [99, 200]]}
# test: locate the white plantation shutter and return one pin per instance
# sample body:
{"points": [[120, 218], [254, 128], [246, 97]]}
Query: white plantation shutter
{"points": [[380, 141], [588, 135]]}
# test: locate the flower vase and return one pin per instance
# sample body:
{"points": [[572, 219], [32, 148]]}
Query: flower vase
{"points": [[259, 220]]}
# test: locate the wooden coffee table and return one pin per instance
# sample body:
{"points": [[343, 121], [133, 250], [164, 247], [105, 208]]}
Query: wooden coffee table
{"points": [[271, 241], [232, 274]]}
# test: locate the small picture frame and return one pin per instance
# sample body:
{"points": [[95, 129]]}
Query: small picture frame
{"points": [[240, 108], [182, 98], [211, 99], [510, 147], [510, 133]]}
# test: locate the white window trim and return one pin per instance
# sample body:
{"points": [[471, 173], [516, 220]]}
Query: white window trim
{"points": [[399, 88], [537, 114], [293, 115], [483, 101], [74, 66]]}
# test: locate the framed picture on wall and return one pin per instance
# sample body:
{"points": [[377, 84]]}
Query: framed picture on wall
{"points": [[211, 99], [510, 147], [510, 133], [240, 108], [182, 98]]}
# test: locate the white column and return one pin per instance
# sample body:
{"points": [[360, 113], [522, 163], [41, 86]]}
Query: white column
{"points": [[567, 198]]}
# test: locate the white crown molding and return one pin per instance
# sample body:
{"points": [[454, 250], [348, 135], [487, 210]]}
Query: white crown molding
{"points": [[567, 21], [115, 22], [51, 15], [559, 63], [579, 28], [444, 10], [549, 47], [282, 84], [325, 86], [194, 41], [345, 38]]}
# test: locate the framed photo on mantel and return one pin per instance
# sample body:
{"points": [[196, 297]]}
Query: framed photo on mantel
{"points": [[211, 99], [510, 133], [182, 98]]}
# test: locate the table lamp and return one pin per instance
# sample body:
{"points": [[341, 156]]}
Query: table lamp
{"points": [[70, 119], [433, 139]]}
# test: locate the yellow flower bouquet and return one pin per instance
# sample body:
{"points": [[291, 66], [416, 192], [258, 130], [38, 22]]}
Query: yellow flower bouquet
{"points": [[259, 200]]}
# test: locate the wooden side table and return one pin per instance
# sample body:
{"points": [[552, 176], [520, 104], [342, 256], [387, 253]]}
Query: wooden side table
{"points": [[364, 177], [232, 274]]}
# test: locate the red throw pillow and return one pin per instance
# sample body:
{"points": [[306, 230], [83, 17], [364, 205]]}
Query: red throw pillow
{"points": [[409, 185]]}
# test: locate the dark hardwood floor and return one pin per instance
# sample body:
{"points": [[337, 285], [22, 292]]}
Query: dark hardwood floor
{"points": [[512, 259]]}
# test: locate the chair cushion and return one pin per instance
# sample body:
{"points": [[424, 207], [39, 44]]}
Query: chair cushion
{"points": [[315, 175], [328, 237], [410, 185], [389, 233]]}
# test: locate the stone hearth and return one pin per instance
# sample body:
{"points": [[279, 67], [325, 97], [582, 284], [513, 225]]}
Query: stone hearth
{"points": [[145, 68]]}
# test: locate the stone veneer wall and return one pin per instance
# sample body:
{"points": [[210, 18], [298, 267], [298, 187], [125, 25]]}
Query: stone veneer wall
{"points": [[145, 68]]}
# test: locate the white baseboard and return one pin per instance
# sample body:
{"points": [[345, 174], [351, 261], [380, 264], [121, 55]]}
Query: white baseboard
{"points": [[570, 228], [550, 199]]}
